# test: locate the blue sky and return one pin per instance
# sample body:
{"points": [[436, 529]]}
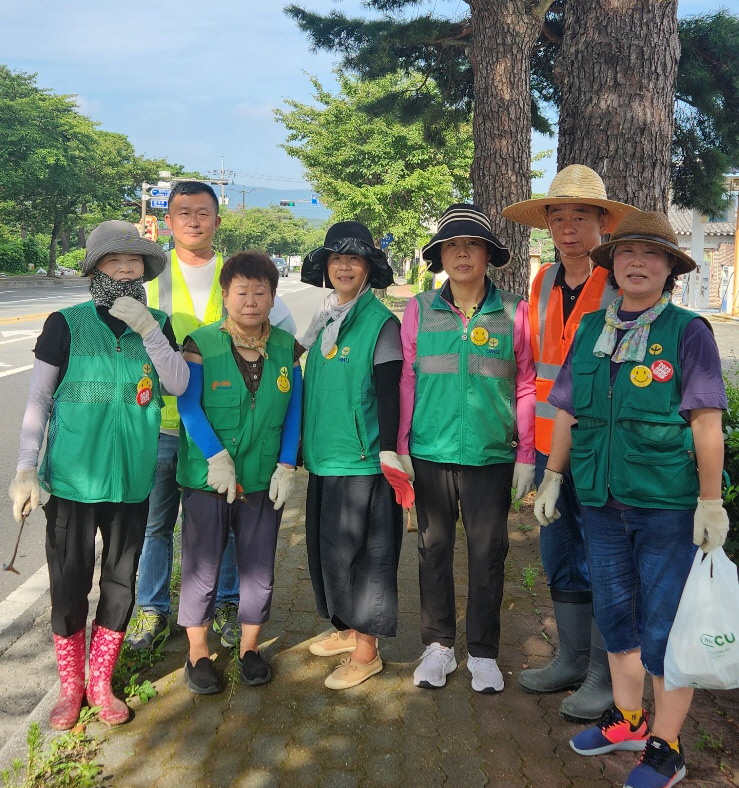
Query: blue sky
{"points": [[188, 80]]}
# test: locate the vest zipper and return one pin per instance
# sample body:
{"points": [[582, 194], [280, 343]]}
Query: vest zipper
{"points": [[253, 400]]}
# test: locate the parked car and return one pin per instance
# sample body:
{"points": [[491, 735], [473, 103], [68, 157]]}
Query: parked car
{"points": [[281, 265]]}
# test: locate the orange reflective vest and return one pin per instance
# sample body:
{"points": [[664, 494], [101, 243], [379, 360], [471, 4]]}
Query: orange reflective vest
{"points": [[551, 337]]}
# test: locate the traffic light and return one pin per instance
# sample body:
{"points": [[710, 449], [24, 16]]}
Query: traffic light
{"points": [[287, 203]]}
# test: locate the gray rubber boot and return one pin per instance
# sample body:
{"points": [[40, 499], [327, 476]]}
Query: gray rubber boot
{"points": [[573, 612], [596, 693]]}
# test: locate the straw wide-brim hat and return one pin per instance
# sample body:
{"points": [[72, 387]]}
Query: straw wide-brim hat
{"points": [[573, 184], [123, 237], [652, 227], [464, 221], [347, 238]]}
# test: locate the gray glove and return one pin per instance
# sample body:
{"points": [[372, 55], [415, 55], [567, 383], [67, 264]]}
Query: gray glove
{"points": [[24, 487], [222, 474], [545, 503], [710, 525], [407, 463], [523, 479], [134, 314]]}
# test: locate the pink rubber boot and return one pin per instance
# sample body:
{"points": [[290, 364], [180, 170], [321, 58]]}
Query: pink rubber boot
{"points": [[70, 662], [105, 645]]}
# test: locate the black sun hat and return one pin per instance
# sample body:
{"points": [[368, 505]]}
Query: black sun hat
{"points": [[464, 220], [347, 238]]}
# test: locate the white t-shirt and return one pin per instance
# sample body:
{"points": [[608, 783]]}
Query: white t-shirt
{"points": [[199, 281]]}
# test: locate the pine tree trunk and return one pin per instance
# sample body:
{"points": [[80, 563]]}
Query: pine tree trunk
{"points": [[504, 33], [617, 70]]}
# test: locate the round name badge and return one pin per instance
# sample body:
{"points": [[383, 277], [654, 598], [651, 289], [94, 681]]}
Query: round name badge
{"points": [[331, 353], [641, 376], [479, 336], [143, 398], [662, 370]]}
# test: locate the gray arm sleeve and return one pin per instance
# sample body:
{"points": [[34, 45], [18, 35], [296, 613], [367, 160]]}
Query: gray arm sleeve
{"points": [[44, 378], [388, 347], [169, 363]]}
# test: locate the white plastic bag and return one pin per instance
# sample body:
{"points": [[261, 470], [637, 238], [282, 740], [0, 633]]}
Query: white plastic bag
{"points": [[703, 647]]}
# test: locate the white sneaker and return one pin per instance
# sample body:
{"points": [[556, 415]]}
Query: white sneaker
{"points": [[486, 675], [437, 662]]}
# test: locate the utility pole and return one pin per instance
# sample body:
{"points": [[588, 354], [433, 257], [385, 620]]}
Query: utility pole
{"points": [[223, 176]]}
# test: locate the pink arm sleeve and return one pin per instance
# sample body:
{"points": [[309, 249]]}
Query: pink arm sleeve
{"points": [[408, 335], [525, 384]]}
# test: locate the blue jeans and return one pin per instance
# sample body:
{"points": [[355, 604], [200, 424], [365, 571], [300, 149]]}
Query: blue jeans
{"points": [[155, 565], [639, 562], [562, 543]]}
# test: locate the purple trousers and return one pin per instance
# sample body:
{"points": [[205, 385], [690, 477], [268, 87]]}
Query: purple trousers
{"points": [[206, 523]]}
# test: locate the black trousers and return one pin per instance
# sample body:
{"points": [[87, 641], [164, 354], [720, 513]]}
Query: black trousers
{"points": [[70, 553], [484, 495]]}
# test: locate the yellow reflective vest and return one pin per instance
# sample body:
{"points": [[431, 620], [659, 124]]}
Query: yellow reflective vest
{"points": [[169, 293]]}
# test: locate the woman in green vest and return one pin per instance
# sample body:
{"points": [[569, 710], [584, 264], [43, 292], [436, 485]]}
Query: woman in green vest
{"points": [[640, 398], [96, 381], [353, 518], [467, 421], [238, 447]]}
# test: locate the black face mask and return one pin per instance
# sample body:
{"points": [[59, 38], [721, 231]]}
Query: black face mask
{"points": [[104, 290]]}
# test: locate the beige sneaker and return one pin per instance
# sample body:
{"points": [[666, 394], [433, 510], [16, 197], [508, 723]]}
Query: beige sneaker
{"points": [[335, 643], [350, 673]]}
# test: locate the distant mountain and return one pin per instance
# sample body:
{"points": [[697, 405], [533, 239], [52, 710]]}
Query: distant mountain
{"points": [[263, 197]]}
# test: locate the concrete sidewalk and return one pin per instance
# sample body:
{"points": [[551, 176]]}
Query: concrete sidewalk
{"points": [[385, 732]]}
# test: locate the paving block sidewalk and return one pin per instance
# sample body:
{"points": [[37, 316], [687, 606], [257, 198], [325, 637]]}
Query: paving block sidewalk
{"points": [[385, 732]]}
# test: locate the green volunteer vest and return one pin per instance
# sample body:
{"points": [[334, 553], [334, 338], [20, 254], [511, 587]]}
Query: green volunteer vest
{"points": [[169, 293], [465, 382], [341, 432], [101, 444], [249, 426], [630, 440]]}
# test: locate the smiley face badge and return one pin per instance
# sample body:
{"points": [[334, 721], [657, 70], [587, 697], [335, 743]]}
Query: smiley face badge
{"points": [[479, 336], [641, 376], [283, 382]]}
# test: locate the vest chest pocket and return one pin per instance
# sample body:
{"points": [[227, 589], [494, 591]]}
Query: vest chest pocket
{"points": [[583, 382], [222, 407]]}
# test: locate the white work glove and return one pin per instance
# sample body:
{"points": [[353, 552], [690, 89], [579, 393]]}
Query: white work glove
{"points": [[407, 465], [545, 503], [134, 314], [222, 474], [523, 479], [281, 484], [710, 525], [24, 487]]}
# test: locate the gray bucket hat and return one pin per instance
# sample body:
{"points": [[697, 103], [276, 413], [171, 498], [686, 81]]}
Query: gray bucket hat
{"points": [[118, 236]]}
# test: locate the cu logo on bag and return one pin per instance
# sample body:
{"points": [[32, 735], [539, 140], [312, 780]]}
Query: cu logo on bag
{"points": [[718, 641]]}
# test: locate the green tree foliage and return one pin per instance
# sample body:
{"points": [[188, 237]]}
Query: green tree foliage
{"points": [[381, 172], [273, 230], [56, 166], [706, 137]]}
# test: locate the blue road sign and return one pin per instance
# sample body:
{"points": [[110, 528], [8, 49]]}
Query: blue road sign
{"points": [[313, 199], [159, 203], [386, 240], [160, 191]]}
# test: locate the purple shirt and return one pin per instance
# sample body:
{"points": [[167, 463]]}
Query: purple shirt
{"points": [[700, 366]]}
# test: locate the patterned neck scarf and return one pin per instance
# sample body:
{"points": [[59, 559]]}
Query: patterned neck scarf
{"points": [[241, 340], [633, 346], [105, 290]]}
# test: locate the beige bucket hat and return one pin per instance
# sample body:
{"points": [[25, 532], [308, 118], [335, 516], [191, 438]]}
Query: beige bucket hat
{"points": [[575, 183], [652, 227]]}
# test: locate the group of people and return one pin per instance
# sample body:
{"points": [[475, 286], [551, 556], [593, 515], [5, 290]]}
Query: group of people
{"points": [[599, 391]]}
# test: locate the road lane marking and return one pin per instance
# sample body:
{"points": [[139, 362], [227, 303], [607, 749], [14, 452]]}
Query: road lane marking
{"points": [[15, 371], [7, 320]]}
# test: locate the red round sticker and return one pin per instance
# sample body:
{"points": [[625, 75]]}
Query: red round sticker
{"points": [[662, 370], [144, 397]]}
